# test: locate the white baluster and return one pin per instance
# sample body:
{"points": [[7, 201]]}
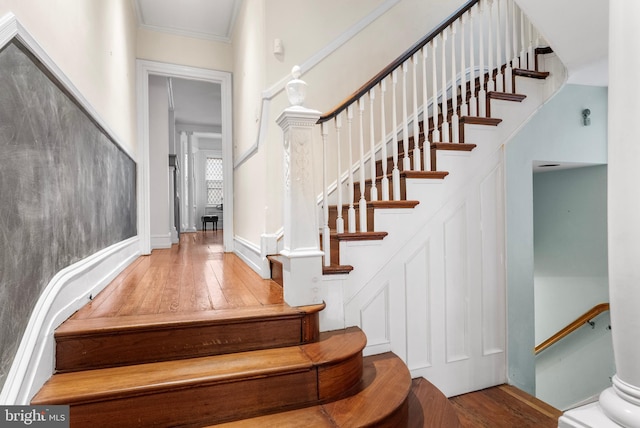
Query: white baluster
{"points": [[339, 219], [464, 108], [523, 59], [351, 213], [416, 126], [514, 21], [473, 101], [435, 136], [384, 183], [445, 101], [426, 148], [362, 203], [455, 131], [395, 172], [508, 71], [490, 83], [499, 75], [482, 95], [406, 162], [326, 233], [373, 193], [530, 58]]}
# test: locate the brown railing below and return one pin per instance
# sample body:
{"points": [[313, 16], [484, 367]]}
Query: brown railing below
{"points": [[582, 319]]}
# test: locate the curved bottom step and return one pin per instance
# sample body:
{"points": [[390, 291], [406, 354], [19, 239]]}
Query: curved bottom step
{"points": [[381, 399]]}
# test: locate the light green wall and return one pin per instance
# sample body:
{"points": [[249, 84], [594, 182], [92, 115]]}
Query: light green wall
{"points": [[571, 276], [554, 133]]}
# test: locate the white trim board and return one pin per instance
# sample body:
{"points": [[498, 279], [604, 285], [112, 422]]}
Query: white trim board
{"points": [[69, 290], [144, 69]]}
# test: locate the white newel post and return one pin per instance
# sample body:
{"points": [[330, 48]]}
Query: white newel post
{"points": [[621, 402], [302, 266]]}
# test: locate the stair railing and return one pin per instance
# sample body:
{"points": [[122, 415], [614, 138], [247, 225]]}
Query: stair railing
{"points": [[444, 77], [573, 326]]}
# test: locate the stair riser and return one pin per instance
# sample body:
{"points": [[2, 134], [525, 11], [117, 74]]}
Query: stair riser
{"points": [[201, 404], [123, 347]]}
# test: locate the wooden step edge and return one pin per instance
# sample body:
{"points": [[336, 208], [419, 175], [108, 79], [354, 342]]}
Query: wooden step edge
{"points": [[460, 147], [336, 269], [155, 322], [381, 396], [506, 96], [359, 236], [393, 204], [425, 174], [530, 73], [379, 400], [543, 50], [477, 120], [151, 378], [429, 407]]}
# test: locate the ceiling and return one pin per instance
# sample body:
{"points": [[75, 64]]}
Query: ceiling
{"points": [[196, 104], [206, 19]]}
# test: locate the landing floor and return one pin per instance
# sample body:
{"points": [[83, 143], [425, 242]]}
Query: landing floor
{"points": [[193, 276]]}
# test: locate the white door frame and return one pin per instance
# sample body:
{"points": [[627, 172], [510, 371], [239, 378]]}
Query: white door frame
{"points": [[144, 69]]}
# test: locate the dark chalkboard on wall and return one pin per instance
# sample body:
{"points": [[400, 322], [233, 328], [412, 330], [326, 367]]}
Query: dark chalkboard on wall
{"points": [[67, 190]]}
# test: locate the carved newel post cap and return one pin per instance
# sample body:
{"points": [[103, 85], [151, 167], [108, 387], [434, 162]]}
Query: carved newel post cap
{"points": [[296, 88]]}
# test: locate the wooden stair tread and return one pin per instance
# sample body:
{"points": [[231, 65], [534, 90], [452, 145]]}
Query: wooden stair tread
{"points": [[359, 236], [461, 147], [379, 400], [393, 204], [336, 269], [530, 73], [477, 120], [106, 325], [429, 407], [506, 96], [424, 174], [104, 384], [116, 382]]}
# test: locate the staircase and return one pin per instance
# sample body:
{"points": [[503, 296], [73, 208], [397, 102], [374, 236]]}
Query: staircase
{"points": [[413, 214], [266, 366]]}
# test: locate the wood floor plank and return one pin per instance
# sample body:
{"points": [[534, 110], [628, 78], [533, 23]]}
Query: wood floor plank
{"points": [[499, 408], [218, 299], [108, 302]]}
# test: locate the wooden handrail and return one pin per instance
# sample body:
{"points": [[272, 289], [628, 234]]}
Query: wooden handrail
{"points": [[590, 314], [395, 64]]}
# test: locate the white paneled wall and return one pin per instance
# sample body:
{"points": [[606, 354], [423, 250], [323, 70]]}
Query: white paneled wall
{"points": [[434, 290]]}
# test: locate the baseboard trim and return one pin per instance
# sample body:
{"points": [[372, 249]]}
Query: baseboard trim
{"points": [[68, 291], [161, 241], [251, 254]]}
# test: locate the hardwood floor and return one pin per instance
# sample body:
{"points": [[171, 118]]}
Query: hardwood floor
{"points": [[195, 282], [504, 406], [191, 277]]}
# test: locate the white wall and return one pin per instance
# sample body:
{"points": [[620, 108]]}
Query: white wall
{"points": [[305, 29], [174, 49], [555, 133], [159, 162], [101, 64]]}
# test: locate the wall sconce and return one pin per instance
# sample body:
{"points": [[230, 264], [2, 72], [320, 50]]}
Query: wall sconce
{"points": [[586, 120]]}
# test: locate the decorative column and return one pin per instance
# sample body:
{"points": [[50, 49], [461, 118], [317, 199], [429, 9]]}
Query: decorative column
{"points": [[191, 184], [302, 264], [620, 404]]}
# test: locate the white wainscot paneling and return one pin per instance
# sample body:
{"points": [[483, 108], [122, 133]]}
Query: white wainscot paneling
{"points": [[456, 286], [374, 321], [418, 313], [493, 279]]}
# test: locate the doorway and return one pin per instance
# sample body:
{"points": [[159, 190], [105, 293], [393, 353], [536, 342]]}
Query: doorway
{"points": [[146, 69]]}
